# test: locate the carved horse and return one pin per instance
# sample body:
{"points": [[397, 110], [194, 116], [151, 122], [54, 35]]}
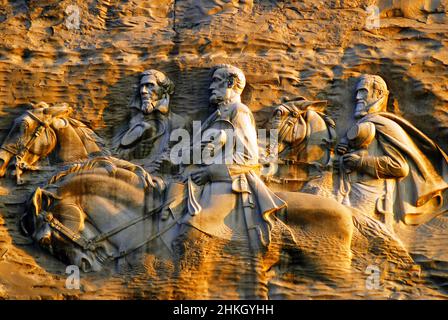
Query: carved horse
{"points": [[105, 209], [107, 200], [46, 131], [304, 147]]}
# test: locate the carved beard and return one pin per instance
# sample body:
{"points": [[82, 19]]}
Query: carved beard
{"points": [[147, 105], [362, 108], [161, 105], [216, 100]]}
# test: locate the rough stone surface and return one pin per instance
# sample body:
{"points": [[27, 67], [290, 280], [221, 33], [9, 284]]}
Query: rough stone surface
{"points": [[314, 49]]}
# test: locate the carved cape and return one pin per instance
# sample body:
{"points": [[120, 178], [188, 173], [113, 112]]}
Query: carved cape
{"points": [[421, 194]]}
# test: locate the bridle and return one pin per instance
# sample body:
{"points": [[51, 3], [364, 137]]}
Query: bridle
{"points": [[294, 116], [20, 151], [289, 125], [94, 243]]}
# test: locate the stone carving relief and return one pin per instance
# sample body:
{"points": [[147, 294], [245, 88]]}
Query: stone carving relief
{"points": [[308, 196], [147, 135], [249, 149], [47, 131], [388, 167], [383, 166], [95, 212]]}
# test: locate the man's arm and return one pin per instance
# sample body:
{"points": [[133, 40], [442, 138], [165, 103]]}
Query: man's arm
{"points": [[391, 165], [245, 134], [245, 152]]}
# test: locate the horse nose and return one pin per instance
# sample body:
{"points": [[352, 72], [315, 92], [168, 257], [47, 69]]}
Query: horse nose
{"points": [[43, 236]]}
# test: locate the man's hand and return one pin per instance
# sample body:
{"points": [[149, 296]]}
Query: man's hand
{"points": [[200, 176], [153, 166], [342, 148], [159, 183], [351, 161]]}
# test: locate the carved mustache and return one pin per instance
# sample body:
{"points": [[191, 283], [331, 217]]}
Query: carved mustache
{"points": [[145, 96], [216, 98]]}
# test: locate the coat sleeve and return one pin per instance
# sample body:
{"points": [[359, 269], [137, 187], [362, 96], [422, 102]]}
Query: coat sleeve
{"points": [[391, 165]]}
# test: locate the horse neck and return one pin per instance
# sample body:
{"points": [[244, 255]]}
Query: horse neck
{"points": [[315, 147], [70, 146], [92, 143], [311, 148]]}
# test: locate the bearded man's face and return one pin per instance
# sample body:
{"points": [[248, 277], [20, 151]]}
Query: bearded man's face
{"points": [[220, 89], [368, 101], [149, 93]]}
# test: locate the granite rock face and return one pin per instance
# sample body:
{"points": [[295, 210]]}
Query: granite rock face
{"points": [[314, 49]]}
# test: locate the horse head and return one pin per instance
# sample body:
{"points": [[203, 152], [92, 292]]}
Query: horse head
{"points": [[290, 124], [39, 132], [30, 139], [104, 193], [304, 144]]}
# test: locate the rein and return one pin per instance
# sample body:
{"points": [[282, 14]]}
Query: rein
{"points": [[92, 244]]}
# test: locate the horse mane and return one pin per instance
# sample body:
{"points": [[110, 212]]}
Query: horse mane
{"points": [[63, 111], [264, 115]]}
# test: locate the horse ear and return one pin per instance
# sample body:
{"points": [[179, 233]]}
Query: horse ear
{"points": [[33, 209], [36, 202], [41, 200]]}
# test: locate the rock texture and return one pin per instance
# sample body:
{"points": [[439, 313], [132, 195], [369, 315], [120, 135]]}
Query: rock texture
{"points": [[314, 49]]}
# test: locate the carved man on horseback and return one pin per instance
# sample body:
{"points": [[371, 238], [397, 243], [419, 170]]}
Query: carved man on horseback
{"points": [[388, 167], [148, 131], [226, 197]]}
